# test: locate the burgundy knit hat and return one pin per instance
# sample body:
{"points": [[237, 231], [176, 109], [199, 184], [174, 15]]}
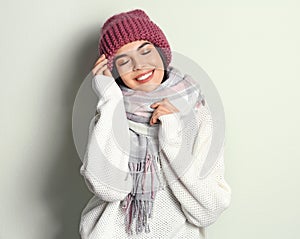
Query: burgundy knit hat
{"points": [[127, 27]]}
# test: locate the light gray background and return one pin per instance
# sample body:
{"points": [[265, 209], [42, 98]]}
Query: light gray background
{"points": [[250, 49]]}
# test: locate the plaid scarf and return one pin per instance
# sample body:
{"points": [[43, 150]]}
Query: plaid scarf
{"points": [[144, 160]]}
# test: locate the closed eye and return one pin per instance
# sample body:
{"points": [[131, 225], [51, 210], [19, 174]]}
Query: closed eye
{"points": [[145, 52], [124, 63]]}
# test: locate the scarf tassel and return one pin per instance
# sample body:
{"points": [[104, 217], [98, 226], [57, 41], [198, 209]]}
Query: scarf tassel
{"points": [[140, 210]]}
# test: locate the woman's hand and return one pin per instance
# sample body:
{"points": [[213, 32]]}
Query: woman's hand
{"points": [[162, 108], [100, 67]]}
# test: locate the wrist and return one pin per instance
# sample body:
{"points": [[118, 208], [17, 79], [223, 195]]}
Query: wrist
{"points": [[106, 87], [172, 125]]}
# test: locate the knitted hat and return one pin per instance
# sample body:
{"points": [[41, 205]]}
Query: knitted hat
{"points": [[127, 27]]}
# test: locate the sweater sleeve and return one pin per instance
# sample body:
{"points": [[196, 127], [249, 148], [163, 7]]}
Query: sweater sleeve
{"points": [[202, 199], [105, 163]]}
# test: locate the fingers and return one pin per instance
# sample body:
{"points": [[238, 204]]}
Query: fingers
{"points": [[163, 107], [107, 72], [154, 105], [156, 115], [101, 58], [100, 67], [160, 111]]}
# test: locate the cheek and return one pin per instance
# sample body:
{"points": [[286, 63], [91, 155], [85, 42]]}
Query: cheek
{"points": [[128, 79], [159, 74], [157, 61], [160, 65]]}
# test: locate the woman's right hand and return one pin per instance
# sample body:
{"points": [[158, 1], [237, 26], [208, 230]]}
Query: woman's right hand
{"points": [[100, 67]]}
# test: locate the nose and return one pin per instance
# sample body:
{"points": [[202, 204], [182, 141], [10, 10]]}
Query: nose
{"points": [[138, 63]]}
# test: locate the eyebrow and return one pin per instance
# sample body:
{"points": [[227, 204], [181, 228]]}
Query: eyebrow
{"points": [[141, 46], [145, 43]]}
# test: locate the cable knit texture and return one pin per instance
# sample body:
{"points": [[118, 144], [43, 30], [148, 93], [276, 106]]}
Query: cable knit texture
{"points": [[127, 27], [184, 207]]}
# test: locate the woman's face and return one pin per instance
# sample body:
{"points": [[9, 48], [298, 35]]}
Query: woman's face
{"points": [[139, 65]]}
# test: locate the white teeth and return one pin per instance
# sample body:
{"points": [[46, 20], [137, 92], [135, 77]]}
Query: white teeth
{"points": [[145, 76]]}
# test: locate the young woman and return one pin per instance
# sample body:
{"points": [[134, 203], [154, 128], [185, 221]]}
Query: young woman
{"points": [[149, 143]]}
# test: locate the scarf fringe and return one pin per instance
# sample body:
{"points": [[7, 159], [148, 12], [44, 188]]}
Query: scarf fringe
{"points": [[140, 211], [137, 209]]}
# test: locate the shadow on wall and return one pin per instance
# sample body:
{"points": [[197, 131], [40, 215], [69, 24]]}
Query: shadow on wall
{"points": [[65, 192]]}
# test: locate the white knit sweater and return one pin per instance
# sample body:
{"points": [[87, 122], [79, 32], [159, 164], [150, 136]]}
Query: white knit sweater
{"points": [[182, 209]]}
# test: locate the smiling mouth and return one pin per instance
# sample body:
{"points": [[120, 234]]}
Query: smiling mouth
{"points": [[145, 77]]}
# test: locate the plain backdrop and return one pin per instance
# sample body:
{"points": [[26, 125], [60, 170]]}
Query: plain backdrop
{"points": [[251, 51]]}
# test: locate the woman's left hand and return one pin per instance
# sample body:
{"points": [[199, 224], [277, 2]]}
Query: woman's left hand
{"points": [[163, 107]]}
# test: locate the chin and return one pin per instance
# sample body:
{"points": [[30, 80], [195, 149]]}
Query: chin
{"points": [[149, 88]]}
